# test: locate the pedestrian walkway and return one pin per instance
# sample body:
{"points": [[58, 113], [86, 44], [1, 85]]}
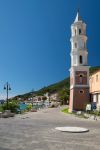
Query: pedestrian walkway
{"points": [[36, 131]]}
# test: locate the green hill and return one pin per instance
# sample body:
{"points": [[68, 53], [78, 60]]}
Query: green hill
{"points": [[56, 86], [93, 69]]}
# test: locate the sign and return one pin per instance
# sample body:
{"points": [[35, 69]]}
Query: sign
{"points": [[94, 105], [88, 107]]}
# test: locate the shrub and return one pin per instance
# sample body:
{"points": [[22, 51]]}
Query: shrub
{"points": [[29, 107], [12, 105], [1, 108], [65, 110]]}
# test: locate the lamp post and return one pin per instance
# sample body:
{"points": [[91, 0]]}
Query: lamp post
{"points": [[7, 88]]}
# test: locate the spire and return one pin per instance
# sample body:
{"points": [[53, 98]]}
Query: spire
{"points": [[78, 17]]}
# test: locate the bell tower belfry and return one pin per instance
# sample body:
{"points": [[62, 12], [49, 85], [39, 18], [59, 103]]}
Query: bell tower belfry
{"points": [[79, 71]]}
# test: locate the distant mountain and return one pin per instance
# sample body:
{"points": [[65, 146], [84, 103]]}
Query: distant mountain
{"points": [[56, 86]]}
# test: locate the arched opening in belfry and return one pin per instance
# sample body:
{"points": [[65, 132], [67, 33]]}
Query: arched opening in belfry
{"points": [[79, 31], [80, 59], [75, 45], [75, 31]]}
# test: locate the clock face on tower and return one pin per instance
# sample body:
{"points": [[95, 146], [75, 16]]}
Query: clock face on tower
{"points": [[81, 77]]}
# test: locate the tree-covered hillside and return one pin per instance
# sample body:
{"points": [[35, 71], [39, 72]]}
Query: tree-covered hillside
{"points": [[56, 87], [93, 69]]}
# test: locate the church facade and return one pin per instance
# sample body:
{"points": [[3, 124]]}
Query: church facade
{"points": [[79, 71]]}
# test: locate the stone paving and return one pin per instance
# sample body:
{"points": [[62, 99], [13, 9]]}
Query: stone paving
{"points": [[36, 131]]}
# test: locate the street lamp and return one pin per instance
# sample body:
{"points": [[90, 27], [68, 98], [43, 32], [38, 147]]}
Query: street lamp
{"points": [[7, 88]]}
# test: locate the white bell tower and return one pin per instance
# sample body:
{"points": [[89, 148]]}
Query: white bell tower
{"points": [[78, 42], [79, 71]]}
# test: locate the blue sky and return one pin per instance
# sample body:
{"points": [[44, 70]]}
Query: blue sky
{"points": [[35, 41]]}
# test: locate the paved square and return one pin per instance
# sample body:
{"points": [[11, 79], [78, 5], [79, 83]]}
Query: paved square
{"points": [[36, 131]]}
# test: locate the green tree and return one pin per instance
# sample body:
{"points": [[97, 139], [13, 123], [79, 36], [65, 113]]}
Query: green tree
{"points": [[64, 96], [44, 98], [29, 106], [13, 105]]}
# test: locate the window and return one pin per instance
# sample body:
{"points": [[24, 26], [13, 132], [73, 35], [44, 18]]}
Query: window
{"points": [[81, 91], [81, 78], [79, 31], [96, 78], [80, 59], [92, 79], [75, 45], [84, 45], [95, 98], [75, 31]]}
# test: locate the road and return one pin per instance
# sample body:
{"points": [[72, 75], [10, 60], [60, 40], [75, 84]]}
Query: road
{"points": [[36, 131]]}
